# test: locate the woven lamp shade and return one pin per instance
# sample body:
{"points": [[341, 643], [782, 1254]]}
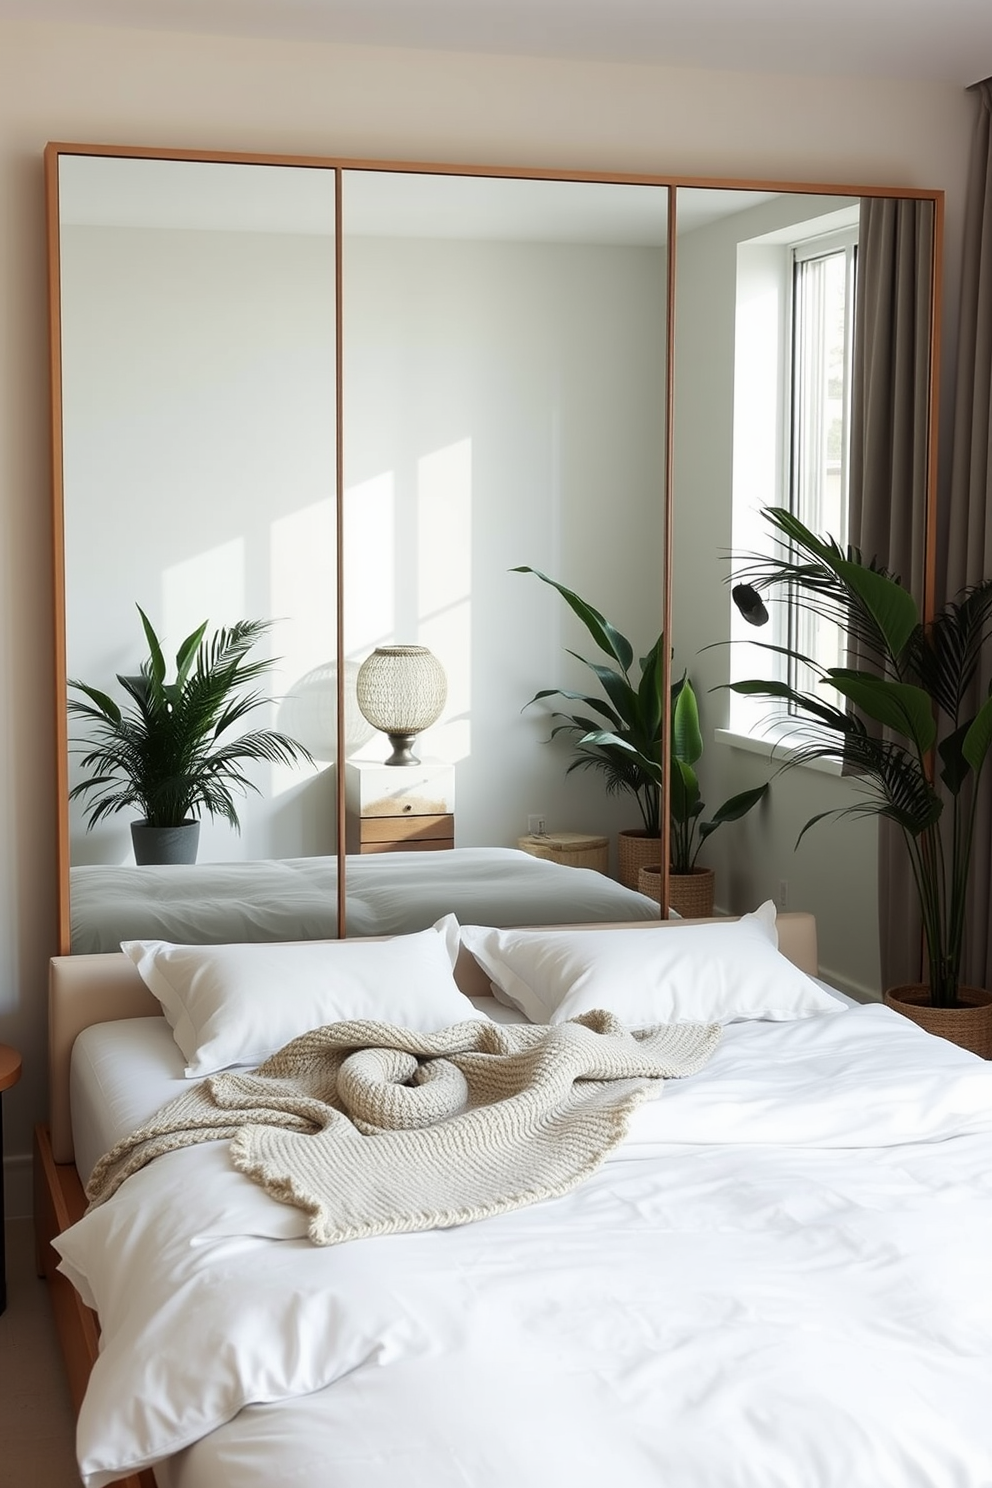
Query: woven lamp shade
{"points": [[401, 690]]}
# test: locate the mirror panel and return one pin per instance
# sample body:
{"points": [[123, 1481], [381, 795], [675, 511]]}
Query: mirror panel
{"points": [[504, 395], [735, 454], [199, 458]]}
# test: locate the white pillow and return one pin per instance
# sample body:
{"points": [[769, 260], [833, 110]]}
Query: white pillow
{"points": [[679, 974], [237, 1004]]}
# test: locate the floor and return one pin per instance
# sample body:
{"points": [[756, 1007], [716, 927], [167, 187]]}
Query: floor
{"points": [[37, 1428]]}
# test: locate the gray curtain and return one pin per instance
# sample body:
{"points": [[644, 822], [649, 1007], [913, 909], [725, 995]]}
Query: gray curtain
{"points": [[966, 547], [888, 480], [891, 384]]}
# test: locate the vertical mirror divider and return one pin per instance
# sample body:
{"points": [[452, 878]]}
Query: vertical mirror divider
{"points": [[668, 503], [339, 680], [61, 731]]}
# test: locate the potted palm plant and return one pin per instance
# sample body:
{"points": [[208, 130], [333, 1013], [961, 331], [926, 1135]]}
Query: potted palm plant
{"points": [[172, 750], [628, 752], [899, 718]]}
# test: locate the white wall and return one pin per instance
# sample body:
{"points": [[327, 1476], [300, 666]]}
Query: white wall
{"points": [[198, 418], [75, 83], [500, 407], [500, 410]]}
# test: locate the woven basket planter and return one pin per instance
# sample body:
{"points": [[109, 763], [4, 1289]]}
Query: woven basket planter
{"points": [[970, 1027], [689, 894], [635, 850]]}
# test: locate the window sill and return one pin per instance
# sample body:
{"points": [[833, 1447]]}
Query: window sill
{"points": [[774, 748]]}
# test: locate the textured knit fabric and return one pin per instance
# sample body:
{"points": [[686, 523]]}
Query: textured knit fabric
{"points": [[373, 1130]]}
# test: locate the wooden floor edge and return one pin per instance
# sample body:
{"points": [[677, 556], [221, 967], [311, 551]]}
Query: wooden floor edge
{"points": [[59, 1201]]}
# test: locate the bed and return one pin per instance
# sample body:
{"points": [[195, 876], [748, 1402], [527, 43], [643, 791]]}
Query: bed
{"points": [[296, 898], [778, 1277]]}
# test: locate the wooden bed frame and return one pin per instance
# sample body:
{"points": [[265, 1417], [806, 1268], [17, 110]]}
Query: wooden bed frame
{"points": [[84, 990]]}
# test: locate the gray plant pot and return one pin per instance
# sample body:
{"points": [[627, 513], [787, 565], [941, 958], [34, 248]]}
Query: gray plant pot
{"points": [[165, 844]]}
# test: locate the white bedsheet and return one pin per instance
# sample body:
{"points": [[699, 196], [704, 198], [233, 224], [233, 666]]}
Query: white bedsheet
{"points": [[122, 1072], [296, 898], [780, 1280]]}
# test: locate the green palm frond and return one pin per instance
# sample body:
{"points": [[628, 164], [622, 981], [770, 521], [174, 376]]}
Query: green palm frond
{"points": [[835, 583]]}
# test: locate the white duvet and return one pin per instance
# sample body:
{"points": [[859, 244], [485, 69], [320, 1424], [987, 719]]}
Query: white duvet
{"points": [[782, 1279]]}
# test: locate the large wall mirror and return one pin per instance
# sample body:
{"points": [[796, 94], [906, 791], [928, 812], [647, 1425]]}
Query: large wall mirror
{"points": [[349, 399]]}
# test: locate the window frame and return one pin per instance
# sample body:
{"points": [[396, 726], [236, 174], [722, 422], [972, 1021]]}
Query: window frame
{"points": [[794, 628]]}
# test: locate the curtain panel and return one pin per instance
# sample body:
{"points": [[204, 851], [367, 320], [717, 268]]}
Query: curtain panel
{"points": [[888, 477], [967, 531]]}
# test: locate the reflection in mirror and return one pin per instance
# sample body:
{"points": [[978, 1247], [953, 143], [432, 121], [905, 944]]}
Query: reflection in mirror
{"points": [[504, 404], [504, 395], [786, 304], [739, 253], [198, 428]]}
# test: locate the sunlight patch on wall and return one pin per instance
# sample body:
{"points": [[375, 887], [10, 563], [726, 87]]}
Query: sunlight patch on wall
{"points": [[302, 585], [444, 567], [370, 574], [302, 588]]}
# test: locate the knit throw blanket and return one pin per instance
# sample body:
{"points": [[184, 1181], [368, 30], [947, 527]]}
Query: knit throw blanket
{"points": [[373, 1130]]}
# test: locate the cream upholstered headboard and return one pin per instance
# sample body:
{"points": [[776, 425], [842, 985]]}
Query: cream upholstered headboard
{"points": [[103, 988]]}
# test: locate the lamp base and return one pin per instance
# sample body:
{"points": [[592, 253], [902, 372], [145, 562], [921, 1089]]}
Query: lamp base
{"points": [[402, 750]]}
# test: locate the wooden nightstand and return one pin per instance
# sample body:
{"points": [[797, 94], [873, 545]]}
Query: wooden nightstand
{"points": [[399, 808], [10, 1073]]}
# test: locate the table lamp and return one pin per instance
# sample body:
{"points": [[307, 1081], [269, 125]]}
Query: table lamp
{"points": [[401, 690]]}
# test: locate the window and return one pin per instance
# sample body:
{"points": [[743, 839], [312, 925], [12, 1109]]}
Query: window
{"points": [[792, 405], [822, 324]]}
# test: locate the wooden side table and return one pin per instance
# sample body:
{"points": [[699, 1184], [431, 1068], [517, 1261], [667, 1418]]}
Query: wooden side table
{"points": [[399, 808], [10, 1073], [574, 849]]}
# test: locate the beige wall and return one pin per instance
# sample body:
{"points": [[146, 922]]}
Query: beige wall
{"points": [[95, 85]]}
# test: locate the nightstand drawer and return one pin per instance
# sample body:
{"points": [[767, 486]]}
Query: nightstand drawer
{"points": [[415, 844], [399, 833], [405, 828]]}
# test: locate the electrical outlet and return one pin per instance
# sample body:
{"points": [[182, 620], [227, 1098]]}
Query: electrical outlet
{"points": [[535, 824], [782, 899]]}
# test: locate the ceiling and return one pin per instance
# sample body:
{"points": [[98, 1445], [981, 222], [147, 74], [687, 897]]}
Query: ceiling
{"points": [[930, 40]]}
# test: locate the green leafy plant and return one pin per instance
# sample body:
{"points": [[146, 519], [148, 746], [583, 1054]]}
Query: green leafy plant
{"points": [[627, 751], [686, 807], [913, 691], [170, 751]]}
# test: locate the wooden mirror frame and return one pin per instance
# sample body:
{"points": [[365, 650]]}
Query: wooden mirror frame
{"points": [[671, 183]]}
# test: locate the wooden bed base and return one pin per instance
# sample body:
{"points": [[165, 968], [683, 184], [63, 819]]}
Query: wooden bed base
{"points": [[58, 1202], [92, 989]]}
